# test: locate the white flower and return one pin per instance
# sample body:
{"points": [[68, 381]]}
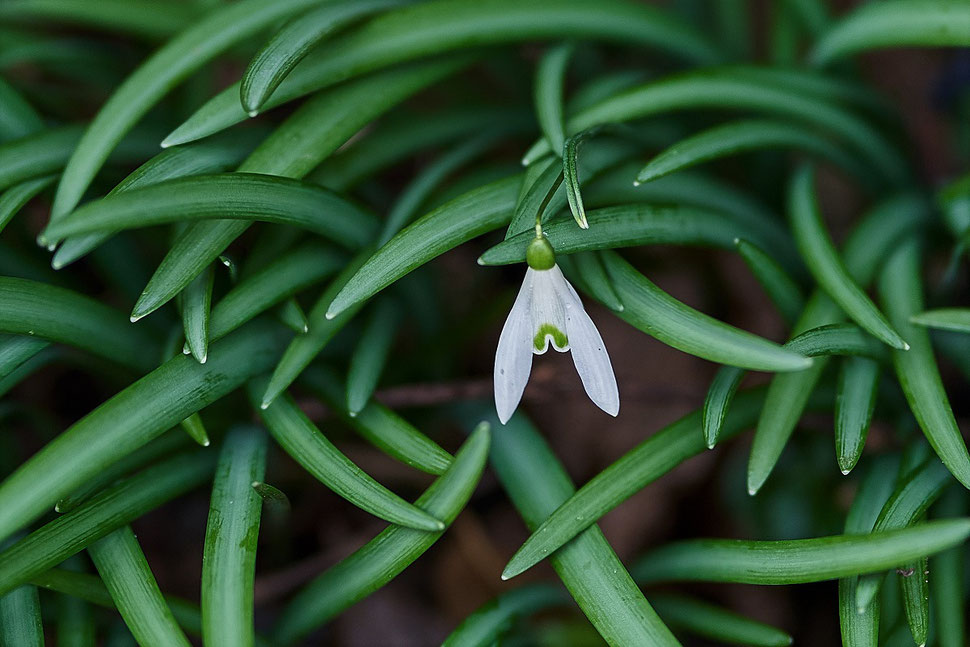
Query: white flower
{"points": [[548, 310]]}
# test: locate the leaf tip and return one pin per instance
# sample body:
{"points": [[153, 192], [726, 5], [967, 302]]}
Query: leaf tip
{"points": [[252, 113]]}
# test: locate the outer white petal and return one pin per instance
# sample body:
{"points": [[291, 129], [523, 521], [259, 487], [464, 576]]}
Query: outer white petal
{"points": [[589, 352], [513, 357], [547, 308]]}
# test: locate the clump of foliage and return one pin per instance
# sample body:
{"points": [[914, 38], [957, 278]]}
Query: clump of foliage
{"points": [[290, 227]]}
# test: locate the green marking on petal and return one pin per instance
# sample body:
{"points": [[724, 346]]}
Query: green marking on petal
{"points": [[558, 337]]}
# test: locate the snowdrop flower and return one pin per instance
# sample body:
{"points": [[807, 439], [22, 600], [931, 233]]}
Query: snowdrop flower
{"points": [[548, 311]]}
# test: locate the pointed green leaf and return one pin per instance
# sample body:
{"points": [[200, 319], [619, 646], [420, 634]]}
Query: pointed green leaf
{"points": [[367, 362], [823, 261], [196, 302], [800, 560], [855, 401], [307, 445], [778, 285], [957, 319], [127, 575], [901, 289], [38, 154], [17, 349], [114, 507], [901, 23], [231, 532], [384, 557], [548, 93], [656, 313], [718, 401]]}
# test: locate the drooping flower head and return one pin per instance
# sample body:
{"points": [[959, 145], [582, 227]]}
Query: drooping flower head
{"points": [[547, 312]]}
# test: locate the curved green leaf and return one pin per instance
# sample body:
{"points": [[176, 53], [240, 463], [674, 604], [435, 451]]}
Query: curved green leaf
{"points": [[800, 560], [836, 339], [130, 419], [61, 315], [444, 228], [822, 259], [231, 531], [783, 291], [36, 154], [742, 137], [13, 199], [17, 349], [20, 620], [307, 445], [370, 355], [382, 427], [127, 575], [900, 287], [140, 17], [241, 196], [855, 401], [196, 303], [443, 26], [293, 42], [957, 319], [547, 93], [18, 118], [112, 508], [718, 401], [537, 484], [384, 557], [154, 78], [656, 313], [740, 88], [629, 225], [901, 23]]}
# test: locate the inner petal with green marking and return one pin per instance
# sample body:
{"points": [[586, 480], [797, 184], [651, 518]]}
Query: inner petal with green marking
{"points": [[559, 339]]}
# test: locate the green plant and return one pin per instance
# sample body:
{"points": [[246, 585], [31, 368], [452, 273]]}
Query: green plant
{"points": [[297, 270]]}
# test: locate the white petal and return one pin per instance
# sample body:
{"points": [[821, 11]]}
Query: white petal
{"points": [[589, 353], [513, 357], [548, 315]]}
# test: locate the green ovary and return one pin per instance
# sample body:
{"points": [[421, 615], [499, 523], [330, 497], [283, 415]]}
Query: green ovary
{"points": [[558, 337]]}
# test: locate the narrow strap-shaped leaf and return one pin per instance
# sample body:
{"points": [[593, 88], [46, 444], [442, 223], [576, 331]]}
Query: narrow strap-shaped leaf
{"points": [[489, 622], [74, 623], [740, 88], [384, 557], [231, 532], [127, 575], [13, 199], [418, 191], [957, 319], [915, 23], [17, 349], [855, 401], [20, 619], [196, 303], [130, 419], [570, 173], [947, 584], [36, 154], [309, 136], [61, 315], [547, 93], [144, 18], [826, 266], [114, 507], [91, 589], [836, 339], [742, 137], [539, 182], [900, 287], [778, 285], [656, 313], [175, 61], [907, 504], [873, 239], [304, 348], [288, 274], [244, 196], [800, 560], [18, 118], [214, 155], [861, 629], [307, 445], [382, 427], [431, 235], [293, 42], [444, 26], [367, 362], [643, 464], [629, 225], [718, 401], [916, 598], [195, 428], [710, 621], [537, 484]]}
